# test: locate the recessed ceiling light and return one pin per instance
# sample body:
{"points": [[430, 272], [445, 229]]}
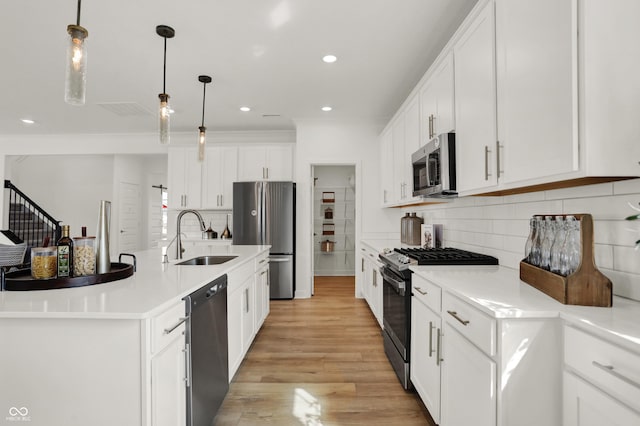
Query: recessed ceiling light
{"points": [[27, 121], [326, 108], [245, 109], [329, 59]]}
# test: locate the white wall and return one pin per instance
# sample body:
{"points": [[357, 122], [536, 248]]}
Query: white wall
{"points": [[499, 226], [337, 143]]}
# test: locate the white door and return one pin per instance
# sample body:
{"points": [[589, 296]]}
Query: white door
{"points": [[128, 218]]}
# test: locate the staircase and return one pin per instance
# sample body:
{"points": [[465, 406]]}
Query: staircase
{"points": [[29, 221]]}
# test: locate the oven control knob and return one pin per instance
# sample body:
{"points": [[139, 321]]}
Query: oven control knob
{"points": [[403, 259]]}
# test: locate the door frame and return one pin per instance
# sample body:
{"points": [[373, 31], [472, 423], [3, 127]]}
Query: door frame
{"points": [[357, 208]]}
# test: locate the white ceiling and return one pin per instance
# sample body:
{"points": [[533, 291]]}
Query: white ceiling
{"points": [[262, 53]]}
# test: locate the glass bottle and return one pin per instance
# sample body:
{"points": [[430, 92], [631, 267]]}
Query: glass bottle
{"points": [[547, 242], [558, 242], [532, 235], [534, 256], [65, 254], [574, 248]]}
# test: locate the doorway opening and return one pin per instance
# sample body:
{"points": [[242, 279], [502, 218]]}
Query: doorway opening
{"points": [[334, 220]]}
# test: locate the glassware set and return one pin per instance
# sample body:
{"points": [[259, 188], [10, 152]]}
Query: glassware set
{"points": [[554, 244]]}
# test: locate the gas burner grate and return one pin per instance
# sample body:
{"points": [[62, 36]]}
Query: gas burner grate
{"points": [[447, 256]]}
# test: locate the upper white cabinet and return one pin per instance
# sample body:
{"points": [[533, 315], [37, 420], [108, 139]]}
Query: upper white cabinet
{"points": [[475, 104], [265, 162], [401, 162], [437, 100], [536, 45], [185, 178], [386, 167], [219, 171]]}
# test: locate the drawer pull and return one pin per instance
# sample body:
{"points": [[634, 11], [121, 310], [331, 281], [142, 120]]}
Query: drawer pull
{"points": [[419, 290], [431, 327], [609, 369], [170, 329], [439, 348], [455, 315]]}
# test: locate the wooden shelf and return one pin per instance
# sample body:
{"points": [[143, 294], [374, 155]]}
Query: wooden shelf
{"points": [[587, 286]]}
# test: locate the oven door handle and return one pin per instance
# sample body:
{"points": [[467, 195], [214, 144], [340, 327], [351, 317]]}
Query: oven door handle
{"points": [[399, 286]]}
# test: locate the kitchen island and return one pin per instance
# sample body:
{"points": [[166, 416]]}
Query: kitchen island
{"points": [[114, 353]]}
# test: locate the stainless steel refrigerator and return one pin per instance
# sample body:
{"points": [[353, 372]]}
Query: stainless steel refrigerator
{"points": [[265, 213]]}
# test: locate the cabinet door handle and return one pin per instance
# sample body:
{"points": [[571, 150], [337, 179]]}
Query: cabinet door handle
{"points": [[375, 279], [267, 173], [439, 348], [419, 290], [246, 299], [455, 315], [433, 126], [609, 369], [384, 195], [487, 151], [431, 327], [430, 126], [221, 200], [170, 329], [187, 364], [362, 265]]}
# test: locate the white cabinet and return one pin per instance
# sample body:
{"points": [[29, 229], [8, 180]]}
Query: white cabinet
{"points": [[405, 140], [585, 405], [437, 101], [168, 370], [219, 171], [536, 44], [400, 161], [475, 103], [371, 281], [247, 307], [426, 343], [265, 162], [468, 383], [184, 178], [601, 381], [262, 291], [387, 188]]}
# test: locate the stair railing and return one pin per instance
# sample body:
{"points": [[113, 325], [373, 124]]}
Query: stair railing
{"points": [[34, 231]]}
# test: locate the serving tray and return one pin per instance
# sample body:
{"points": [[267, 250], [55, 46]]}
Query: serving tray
{"points": [[22, 280]]}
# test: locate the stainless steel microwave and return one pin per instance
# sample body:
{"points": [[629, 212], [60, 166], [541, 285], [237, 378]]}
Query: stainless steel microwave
{"points": [[434, 168]]}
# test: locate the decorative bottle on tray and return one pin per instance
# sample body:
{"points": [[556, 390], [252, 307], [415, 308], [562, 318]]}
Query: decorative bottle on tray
{"points": [[65, 254]]}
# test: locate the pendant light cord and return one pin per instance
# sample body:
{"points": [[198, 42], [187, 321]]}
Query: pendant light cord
{"points": [[204, 96], [79, 2], [164, 68]]}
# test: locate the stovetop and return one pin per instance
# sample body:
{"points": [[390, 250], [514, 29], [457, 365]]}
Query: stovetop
{"points": [[401, 259], [447, 256]]}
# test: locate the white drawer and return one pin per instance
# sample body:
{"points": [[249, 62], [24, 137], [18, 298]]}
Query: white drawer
{"points": [[611, 368], [238, 276], [479, 328], [427, 292], [166, 326], [261, 261]]}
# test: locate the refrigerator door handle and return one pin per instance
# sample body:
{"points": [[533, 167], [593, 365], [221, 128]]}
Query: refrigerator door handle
{"points": [[279, 259]]}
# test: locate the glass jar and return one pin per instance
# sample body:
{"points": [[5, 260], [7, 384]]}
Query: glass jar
{"points": [[44, 262], [532, 235], [573, 247], [534, 256], [547, 242], [558, 243], [84, 256]]}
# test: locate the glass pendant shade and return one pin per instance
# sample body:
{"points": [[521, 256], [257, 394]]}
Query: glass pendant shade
{"points": [[164, 116], [76, 74], [202, 142]]}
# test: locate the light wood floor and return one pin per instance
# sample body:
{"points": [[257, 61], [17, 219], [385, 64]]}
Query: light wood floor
{"points": [[320, 361]]}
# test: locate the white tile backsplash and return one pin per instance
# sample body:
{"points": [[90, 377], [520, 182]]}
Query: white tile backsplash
{"points": [[499, 226]]}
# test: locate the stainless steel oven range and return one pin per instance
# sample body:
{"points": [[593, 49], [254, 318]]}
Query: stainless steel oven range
{"points": [[396, 305]]}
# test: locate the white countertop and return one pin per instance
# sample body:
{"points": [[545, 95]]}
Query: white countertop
{"points": [[152, 288], [499, 292]]}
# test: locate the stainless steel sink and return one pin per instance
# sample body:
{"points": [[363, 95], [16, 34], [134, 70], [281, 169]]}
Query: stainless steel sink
{"points": [[207, 260]]}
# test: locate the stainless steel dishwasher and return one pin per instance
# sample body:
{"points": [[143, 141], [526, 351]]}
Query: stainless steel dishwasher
{"points": [[207, 342]]}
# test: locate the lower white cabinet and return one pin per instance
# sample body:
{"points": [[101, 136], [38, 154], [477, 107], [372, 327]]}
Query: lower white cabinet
{"points": [[468, 383], [168, 374], [425, 350], [371, 282], [586, 405], [247, 308], [601, 381]]}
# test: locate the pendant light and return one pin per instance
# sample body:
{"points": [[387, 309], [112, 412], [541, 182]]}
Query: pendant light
{"points": [[165, 32], [202, 137], [76, 73]]}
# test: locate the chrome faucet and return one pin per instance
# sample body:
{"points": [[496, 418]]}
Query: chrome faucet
{"points": [[179, 249]]}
